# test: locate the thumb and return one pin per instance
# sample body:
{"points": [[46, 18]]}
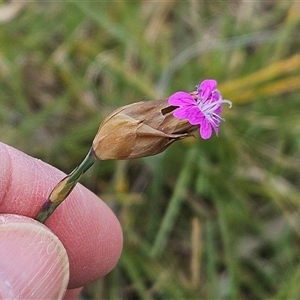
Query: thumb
{"points": [[33, 262]]}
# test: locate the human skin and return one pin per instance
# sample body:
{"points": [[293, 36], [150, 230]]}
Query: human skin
{"points": [[80, 242]]}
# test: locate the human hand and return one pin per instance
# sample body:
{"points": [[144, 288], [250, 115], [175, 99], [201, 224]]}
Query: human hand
{"points": [[80, 243]]}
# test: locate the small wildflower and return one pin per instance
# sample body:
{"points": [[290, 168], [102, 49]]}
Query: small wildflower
{"points": [[202, 107]]}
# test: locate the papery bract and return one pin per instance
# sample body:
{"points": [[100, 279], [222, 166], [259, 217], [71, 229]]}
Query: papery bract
{"points": [[139, 129]]}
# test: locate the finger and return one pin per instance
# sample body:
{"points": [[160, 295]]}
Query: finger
{"points": [[34, 263], [72, 294], [86, 226]]}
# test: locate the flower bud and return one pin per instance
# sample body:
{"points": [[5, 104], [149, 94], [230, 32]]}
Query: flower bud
{"points": [[139, 129]]}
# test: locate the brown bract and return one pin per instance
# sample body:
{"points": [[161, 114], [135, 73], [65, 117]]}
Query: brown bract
{"points": [[139, 129]]}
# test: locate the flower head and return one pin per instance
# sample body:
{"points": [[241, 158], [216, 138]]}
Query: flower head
{"points": [[202, 107]]}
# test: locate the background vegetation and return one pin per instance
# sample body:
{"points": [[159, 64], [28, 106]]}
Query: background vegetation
{"points": [[205, 219]]}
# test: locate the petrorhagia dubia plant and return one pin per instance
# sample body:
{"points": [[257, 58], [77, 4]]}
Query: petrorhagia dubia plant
{"points": [[145, 128]]}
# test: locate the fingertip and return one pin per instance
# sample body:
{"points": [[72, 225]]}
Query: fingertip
{"points": [[36, 263], [72, 294], [5, 174], [92, 236], [88, 229], [25, 182]]}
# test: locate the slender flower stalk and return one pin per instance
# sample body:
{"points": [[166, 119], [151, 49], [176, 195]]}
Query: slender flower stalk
{"points": [[145, 128], [61, 191]]}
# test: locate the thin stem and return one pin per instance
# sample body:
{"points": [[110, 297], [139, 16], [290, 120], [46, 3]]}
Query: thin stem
{"points": [[61, 191]]}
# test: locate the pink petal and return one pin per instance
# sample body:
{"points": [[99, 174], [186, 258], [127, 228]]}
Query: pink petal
{"points": [[208, 83], [216, 95], [205, 129], [181, 99], [206, 87], [195, 116], [218, 110], [182, 112]]}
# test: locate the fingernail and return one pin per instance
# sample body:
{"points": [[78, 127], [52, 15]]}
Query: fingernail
{"points": [[34, 263]]}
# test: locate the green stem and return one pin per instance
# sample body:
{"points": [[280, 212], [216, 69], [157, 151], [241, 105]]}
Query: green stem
{"points": [[83, 167], [61, 191]]}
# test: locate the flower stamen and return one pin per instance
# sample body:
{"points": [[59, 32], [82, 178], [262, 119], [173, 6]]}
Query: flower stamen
{"points": [[208, 108]]}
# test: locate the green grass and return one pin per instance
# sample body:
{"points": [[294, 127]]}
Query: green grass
{"points": [[205, 219]]}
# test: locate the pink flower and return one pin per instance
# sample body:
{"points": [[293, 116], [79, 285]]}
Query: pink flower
{"points": [[202, 107]]}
